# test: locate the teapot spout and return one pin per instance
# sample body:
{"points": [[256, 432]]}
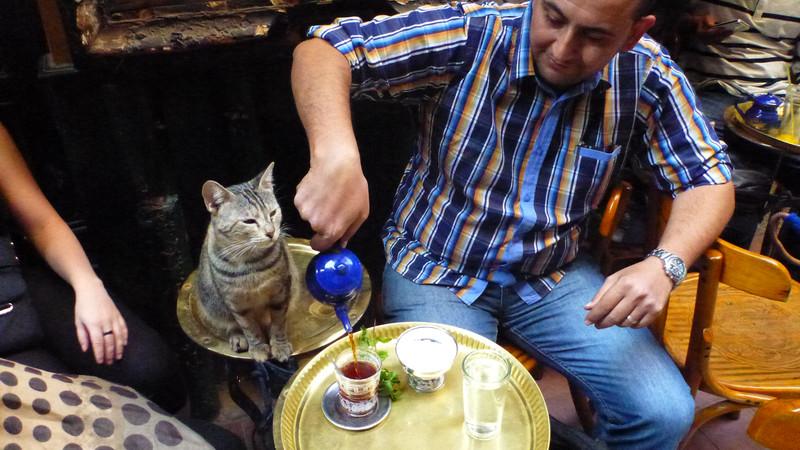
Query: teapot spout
{"points": [[341, 313]]}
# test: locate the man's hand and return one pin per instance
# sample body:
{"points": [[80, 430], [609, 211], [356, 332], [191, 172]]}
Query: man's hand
{"points": [[98, 322], [703, 27], [632, 297], [333, 198]]}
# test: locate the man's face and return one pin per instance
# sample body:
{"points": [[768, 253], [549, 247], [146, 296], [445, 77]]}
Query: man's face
{"points": [[573, 39]]}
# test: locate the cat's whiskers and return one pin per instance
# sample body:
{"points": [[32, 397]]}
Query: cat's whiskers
{"points": [[235, 248]]}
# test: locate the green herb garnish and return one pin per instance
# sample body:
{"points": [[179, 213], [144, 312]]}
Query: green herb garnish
{"points": [[389, 384]]}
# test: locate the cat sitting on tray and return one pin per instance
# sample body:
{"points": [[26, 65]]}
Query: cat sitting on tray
{"points": [[246, 276]]}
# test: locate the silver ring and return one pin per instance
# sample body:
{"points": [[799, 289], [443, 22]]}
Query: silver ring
{"points": [[631, 319], [106, 333]]}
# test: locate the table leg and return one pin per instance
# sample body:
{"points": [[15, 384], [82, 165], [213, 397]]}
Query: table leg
{"points": [[270, 378]]}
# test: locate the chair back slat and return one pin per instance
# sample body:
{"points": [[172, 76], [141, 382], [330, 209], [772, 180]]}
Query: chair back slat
{"points": [[753, 273]]}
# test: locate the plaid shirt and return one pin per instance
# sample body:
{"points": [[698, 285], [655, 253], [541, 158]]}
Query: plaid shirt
{"points": [[507, 170]]}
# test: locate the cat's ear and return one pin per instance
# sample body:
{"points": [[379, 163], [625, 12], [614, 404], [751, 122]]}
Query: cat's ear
{"points": [[265, 179], [214, 195]]}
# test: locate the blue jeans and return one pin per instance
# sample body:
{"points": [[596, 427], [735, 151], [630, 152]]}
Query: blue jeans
{"points": [[641, 398]]}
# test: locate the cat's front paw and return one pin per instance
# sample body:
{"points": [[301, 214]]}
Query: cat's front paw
{"points": [[238, 343], [281, 350], [260, 352]]}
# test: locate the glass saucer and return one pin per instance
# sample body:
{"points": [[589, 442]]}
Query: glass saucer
{"points": [[330, 403]]}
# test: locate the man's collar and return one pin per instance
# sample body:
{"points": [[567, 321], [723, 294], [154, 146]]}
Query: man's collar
{"points": [[521, 57]]}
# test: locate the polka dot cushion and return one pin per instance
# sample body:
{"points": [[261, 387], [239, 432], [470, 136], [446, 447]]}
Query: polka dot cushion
{"points": [[46, 410]]}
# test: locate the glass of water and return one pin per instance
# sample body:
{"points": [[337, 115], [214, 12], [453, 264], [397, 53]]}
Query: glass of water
{"points": [[486, 374]]}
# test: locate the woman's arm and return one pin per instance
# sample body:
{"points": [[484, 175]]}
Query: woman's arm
{"points": [[95, 312]]}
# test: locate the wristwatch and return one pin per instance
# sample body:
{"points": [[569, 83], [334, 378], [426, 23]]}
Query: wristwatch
{"points": [[673, 265]]}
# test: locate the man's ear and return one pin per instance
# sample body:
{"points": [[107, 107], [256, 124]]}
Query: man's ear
{"points": [[638, 29]]}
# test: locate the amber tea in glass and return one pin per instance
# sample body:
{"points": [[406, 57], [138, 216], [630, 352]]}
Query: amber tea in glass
{"points": [[358, 375]]}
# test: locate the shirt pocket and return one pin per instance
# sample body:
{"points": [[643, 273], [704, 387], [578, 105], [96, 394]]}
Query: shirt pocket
{"points": [[595, 168]]}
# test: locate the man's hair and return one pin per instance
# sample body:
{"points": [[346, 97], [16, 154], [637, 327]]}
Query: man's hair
{"points": [[645, 7]]}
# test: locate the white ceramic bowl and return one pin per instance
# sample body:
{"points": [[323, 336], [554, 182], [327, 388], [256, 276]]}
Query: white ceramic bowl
{"points": [[426, 353]]}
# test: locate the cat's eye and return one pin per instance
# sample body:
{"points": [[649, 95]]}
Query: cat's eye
{"points": [[273, 213], [250, 221]]}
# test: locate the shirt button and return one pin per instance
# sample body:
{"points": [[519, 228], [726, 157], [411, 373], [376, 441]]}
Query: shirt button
{"points": [[527, 197]]}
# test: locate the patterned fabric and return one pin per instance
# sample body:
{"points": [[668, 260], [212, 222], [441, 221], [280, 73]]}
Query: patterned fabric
{"points": [[507, 170], [46, 410], [753, 61]]}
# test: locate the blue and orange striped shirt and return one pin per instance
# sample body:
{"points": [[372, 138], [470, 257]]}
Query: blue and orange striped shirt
{"points": [[507, 170]]}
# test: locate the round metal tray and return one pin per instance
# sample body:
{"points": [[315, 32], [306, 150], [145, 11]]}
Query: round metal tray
{"points": [[417, 420], [311, 324]]}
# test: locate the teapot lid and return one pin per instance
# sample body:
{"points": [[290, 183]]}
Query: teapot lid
{"points": [[334, 275], [768, 101]]}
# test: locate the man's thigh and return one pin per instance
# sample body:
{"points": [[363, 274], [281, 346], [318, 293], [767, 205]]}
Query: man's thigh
{"points": [[406, 301], [619, 368]]}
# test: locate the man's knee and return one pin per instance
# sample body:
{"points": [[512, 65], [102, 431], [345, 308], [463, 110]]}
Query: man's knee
{"points": [[668, 417]]}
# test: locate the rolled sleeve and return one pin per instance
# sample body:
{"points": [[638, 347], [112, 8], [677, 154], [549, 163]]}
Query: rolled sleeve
{"points": [[402, 53], [682, 147]]}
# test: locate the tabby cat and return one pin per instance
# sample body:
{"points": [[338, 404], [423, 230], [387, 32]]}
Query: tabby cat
{"points": [[246, 276]]}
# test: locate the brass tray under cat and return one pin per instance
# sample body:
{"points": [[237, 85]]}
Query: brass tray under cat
{"points": [[311, 324], [417, 421]]}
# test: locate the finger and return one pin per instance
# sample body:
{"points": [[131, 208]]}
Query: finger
{"points": [[618, 315], [124, 328], [600, 292], [96, 337], [119, 341], [600, 308], [83, 336], [350, 233], [321, 242], [646, 320], [108, 344]]}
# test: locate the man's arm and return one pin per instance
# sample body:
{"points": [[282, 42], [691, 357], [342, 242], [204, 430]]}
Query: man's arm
{"points": [[333, 196], [685, 157], [641, 291]]}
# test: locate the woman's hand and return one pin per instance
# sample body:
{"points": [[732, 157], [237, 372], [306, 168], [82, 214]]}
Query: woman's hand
{"points": [[98, 322]]}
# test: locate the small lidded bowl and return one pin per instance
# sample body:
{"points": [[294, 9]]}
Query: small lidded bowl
{"points": [[426, 353]]}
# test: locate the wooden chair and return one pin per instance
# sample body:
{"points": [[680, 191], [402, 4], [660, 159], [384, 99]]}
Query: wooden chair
{"points": [[776, 424], [734, 329]]}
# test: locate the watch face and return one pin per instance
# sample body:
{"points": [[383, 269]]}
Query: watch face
{"points": [[675, 268]]}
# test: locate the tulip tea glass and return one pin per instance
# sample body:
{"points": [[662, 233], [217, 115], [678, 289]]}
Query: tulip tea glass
{"points": [[358, 381], [426, 354], [485, 382]]}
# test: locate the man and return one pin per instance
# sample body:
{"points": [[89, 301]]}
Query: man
{"points": [[524, 112], [726, 66]]}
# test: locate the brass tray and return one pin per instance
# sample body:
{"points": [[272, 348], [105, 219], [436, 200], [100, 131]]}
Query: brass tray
{"points": [[311, 324], [737, 124], [417, 421]]}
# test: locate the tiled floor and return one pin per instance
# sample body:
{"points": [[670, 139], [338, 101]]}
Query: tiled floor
{"points": [[721, 434]]}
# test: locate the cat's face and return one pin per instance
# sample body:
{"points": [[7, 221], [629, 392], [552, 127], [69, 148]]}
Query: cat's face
{"points": [[247, 212]]}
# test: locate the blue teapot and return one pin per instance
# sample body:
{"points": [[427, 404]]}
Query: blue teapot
{"points": [[334, 277], [763, 112]]}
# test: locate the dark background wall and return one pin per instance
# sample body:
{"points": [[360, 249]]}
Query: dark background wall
{"points": [[122, 145]]}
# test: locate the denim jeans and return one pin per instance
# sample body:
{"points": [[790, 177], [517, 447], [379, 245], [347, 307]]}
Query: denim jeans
{"points": [[640, 396]]}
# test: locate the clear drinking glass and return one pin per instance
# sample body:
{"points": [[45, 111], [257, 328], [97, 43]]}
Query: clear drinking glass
{"points": [[358, 381], [790, 120], [486, 374]]}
